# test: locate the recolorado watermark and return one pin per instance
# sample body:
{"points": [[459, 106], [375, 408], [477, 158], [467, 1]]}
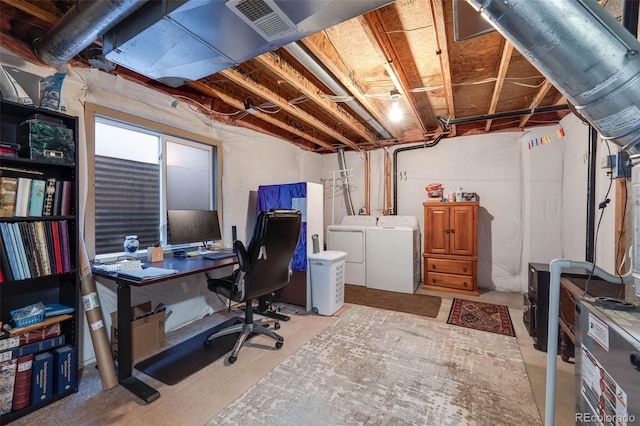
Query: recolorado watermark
{"points": [[605, 418]]}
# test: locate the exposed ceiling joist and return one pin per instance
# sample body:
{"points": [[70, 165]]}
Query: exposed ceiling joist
{"points": [[374, 26], [546, 86], [211, 91], [440, 34], [505, 59], [287, 73], [259, 90], [320, 46]]}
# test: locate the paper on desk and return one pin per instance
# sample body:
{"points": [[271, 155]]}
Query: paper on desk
{"points": [[147, 273]]}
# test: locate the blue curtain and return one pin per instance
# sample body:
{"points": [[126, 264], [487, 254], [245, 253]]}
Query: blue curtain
{"points": [[282, 196]]}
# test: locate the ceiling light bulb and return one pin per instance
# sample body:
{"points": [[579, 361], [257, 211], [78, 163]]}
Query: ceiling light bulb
{"points": [[395, 114]]}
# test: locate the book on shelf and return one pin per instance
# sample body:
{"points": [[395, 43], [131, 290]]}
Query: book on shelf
{"points": [[46, 332], [42, 246], [49, 243], [65, 362], [22, 196], [36, 197], [57, 196], [30, 252], [8, 188], [10, 250], [34, 243], [32, 348], [4, 260], [66, 252], [8, 341], [53, 309], [65, 200], [22, 386], [42, 378], [20, 250], [55, 230], [49, 194], [7, 381]]}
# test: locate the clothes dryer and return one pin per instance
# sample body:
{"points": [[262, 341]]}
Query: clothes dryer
{"points": [[350, 236], [393, 254]]}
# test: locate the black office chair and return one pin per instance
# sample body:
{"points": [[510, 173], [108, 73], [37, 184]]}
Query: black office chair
{"points": [[264, 267]]}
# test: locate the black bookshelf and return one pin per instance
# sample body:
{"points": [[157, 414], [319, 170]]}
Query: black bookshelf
{"points": [[59, 286]]}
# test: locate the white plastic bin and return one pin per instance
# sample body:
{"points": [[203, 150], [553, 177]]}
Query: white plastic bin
{"points": [[327, 281]]}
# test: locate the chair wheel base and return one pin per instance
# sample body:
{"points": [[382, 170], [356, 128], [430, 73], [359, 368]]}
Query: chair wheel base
{"points": [[279, 344], [232, 359]]}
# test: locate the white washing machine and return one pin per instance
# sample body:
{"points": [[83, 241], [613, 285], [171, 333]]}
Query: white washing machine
{"points": [[350, 237], [393, 254]]}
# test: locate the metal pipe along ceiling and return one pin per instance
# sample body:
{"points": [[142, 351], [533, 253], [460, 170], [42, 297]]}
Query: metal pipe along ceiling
{"points": [[344, 177], [79, 27], [302, 56]]}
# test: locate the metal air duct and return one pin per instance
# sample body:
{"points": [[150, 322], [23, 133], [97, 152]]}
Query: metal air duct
{"points": [[587, 55], [83, 24], [595, 62]]}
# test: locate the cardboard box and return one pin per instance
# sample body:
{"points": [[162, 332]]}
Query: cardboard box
{"points": [[147, 330]]}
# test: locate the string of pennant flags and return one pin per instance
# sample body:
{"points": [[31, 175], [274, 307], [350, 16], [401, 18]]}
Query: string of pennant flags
{"points": [[542, 140]]}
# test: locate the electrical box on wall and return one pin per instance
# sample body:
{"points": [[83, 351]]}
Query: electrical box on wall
{"points": [[619, 165]]}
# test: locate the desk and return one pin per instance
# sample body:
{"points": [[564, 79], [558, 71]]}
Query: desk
{"points": [[185, 267]]}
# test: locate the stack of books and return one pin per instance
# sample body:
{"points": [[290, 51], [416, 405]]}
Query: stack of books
{"points": [[34, 249], [34, 367], [28, 197]]}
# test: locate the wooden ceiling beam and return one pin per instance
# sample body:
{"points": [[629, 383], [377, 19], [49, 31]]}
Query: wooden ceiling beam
{"points": [[286, 72], [373, 25], [30, 8], [546, 86], [230, 100], [505, 59], [440, 34], [320, 46], [264, 92]]}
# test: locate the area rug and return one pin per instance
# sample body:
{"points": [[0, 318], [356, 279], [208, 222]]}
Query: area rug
{"points": [[380, 367], [418, 304], [481, 316]]}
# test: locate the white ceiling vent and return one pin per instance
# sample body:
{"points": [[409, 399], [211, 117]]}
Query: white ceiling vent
{"points": [[264, 17]]}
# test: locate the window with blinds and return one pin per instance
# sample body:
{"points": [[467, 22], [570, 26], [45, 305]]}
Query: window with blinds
{"points": [[139, 174]]}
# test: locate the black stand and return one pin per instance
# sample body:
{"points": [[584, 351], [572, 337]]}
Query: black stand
{"points": [[264, 308]]}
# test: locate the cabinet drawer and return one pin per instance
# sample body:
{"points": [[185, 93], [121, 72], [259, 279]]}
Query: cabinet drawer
{"points": [[462, 282], [448, 266]]}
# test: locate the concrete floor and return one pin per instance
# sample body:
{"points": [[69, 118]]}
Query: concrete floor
{"points": [[198, 399]]}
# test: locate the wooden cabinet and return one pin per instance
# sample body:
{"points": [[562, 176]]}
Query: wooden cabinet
{"points": [[48, 262], [451, 247]]}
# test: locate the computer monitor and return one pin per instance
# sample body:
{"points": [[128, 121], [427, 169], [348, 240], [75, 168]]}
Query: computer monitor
{"points": [[191, 226]]}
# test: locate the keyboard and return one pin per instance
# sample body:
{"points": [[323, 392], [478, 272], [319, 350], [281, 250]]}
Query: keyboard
{"points": [[219, 255]]}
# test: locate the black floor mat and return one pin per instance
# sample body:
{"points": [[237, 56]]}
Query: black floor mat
{"points": [[182, 360]]}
